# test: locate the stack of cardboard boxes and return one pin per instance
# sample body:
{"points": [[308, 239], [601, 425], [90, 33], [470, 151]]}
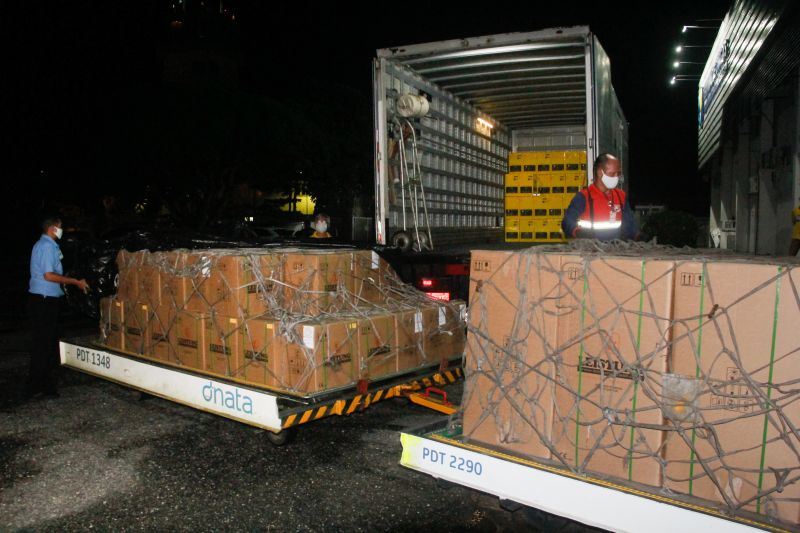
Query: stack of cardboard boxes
{"points": [[538, 188], [663, 370], [304, 321]]}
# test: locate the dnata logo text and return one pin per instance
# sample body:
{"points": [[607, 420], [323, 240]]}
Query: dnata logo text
{"points": [[225, 397]]}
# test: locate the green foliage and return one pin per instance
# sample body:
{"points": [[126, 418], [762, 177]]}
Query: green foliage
{"points": [[672, 227]]}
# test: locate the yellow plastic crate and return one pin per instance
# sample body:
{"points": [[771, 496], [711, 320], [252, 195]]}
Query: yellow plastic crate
{"points": [[526, 229], [512, 229], [512, 206]]}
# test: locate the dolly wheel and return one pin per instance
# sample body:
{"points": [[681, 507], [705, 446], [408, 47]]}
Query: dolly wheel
{"points": [[283, 437]]}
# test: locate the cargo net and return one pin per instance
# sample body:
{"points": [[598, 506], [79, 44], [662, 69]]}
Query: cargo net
{"points": [[670, 369], [303, 321]]}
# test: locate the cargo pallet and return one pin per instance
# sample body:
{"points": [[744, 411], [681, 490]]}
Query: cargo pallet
{"points": [[516, 481], [279, 413]]}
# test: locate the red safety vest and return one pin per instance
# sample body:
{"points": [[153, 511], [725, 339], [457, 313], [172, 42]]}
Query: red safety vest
{"points": [[602, 212]]}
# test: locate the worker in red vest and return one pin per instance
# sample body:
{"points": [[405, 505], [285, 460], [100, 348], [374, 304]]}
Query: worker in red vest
{"points": [[600, 211]]}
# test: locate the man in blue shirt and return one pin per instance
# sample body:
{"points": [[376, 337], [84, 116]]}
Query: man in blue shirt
{"points": [[44, 293]]}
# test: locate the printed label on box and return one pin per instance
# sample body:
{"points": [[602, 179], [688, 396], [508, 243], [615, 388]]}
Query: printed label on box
{"points": [[376, 262], [418, 322], [442, 316], [308, 337]]}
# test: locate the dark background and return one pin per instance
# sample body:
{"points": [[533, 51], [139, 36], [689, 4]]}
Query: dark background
{"points": [[148, 105]]}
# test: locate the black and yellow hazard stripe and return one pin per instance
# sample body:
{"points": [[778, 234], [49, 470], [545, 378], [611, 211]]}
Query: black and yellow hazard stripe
{"points": [[343, 407]]}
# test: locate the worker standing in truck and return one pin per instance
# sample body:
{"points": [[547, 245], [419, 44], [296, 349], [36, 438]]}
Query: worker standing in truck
{"points": [[601, 211], [321, 225]]}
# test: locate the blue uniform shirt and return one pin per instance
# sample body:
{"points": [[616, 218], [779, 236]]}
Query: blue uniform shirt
{"points": [[45, 257]]}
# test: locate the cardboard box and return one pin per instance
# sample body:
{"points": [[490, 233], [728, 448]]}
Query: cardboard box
{"points": [[128, 275], [161, 322], [377, 347], [445, 334], [325, 356], [188, 336], [137, 327], [317, 282], [410, 330], [508, 397], [263, 353], [183, 278], [226, 287], [612, 334], [222, 350], [735, 332], [262, 277], [372, 277], [112, 321], [149, 282]]}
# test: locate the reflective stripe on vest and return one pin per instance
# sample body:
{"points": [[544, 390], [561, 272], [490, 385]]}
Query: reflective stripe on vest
{"points": [[599, 225]]}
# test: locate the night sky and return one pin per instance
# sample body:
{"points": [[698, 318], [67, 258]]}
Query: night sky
{"points": [[80, 73]]}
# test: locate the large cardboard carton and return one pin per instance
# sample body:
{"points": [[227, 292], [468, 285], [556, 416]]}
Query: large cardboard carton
{"points": [[149, 282], [410, 337], [226, 288], [372, 277], [324, 357], [263, 276], [221, 336], [445, 335], [184, 275], [317, 281], [735, 350], [112, 322], [188, 336], [128, 275], [612, 335], [137, 327], [508, 398], [161, 320], [377, 347], [263, 353]]}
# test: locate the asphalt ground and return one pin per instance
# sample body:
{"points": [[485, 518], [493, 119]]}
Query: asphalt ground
{"points": [[101, 458]]}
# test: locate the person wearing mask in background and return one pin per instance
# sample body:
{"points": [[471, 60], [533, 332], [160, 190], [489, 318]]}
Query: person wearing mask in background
{"points": [[44, 295], [794, 247], [321, 223], [600, 211]]}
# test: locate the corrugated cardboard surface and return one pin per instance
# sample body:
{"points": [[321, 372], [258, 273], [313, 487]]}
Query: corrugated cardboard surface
{"points": [[325, 357], [112, 322], [377, 346], [613, 334], [160, 323], [410, 336], [508, 400], [221, 335], [736, 331], [137, 327], [189, 339], [371, 275], [317, 282], [263, 352]]}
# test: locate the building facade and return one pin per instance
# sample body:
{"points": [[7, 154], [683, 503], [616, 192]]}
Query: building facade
{"points": [[749, 126]]}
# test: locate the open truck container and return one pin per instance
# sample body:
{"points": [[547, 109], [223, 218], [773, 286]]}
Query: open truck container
{"points": [[488, 96]]}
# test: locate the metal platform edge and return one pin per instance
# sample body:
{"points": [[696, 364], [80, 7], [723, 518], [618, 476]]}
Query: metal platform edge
{"points": [[263, 408], [593, 502]]}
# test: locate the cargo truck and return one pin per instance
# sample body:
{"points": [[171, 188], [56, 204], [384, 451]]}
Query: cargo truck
{"points": [[446, 117]]}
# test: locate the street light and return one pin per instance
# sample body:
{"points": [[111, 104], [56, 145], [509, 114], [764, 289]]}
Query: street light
{"points": [[689, 27], [683, 77], [677, 64], [680, 47]]}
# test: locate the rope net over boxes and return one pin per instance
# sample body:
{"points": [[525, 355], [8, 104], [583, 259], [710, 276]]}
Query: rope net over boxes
{"points": [[670, 369], [299, 320]]}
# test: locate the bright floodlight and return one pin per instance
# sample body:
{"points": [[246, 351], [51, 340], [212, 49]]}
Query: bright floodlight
{"points": [[672, 81], [676, 64], [678, 49], [683, 30]]}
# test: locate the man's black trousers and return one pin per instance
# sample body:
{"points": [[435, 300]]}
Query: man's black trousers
{"points": [[43, 313]]}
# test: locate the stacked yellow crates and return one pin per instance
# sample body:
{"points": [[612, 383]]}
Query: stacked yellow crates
{"points": [[539, 186]]}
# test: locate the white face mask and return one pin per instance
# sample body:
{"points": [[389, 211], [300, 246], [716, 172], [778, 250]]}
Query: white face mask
{"points": [[322, 227], [610, 182], [59, 232]]}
